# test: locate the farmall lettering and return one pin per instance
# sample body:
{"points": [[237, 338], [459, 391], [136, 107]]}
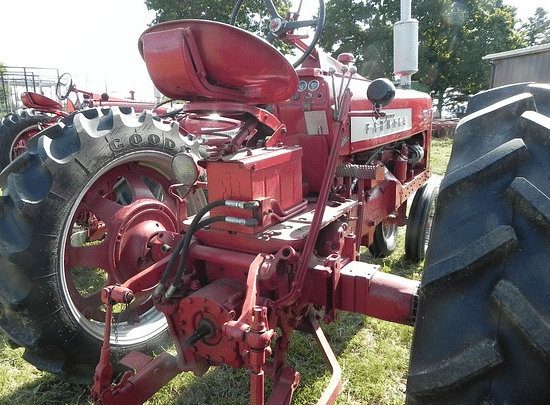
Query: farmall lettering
{"points": [[395, 121]]}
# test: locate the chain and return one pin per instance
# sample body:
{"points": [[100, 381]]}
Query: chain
{"points": [[115, 331], [116, 323]]}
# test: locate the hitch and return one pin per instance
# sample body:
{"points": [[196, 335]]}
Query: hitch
{"points": [[134, 387]]}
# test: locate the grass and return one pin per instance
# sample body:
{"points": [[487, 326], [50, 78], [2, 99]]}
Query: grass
{"points": [[440, 154], [373, 355]]}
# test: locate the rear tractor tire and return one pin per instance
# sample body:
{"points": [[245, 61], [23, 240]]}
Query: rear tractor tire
{"points": [[482, 333], [77, 212], [16, 129]]}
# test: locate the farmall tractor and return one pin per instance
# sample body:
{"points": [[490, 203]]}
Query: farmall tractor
{"points": [[123, 233]]}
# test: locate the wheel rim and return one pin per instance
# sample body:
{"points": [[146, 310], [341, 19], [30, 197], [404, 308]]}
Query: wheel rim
{"points": [[19, 144], [106, 242], [389, 231]]}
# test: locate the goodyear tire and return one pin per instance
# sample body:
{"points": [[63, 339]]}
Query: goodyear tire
{"points": [[78, 211], [421, 216], [16, 129], [483, 329]]}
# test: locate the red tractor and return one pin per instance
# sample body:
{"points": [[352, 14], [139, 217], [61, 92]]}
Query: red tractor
{"points": [[117, 250], [18, 127], [122, 233]]}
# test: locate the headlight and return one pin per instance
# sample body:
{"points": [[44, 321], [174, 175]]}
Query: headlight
{"points": [[185, 168]]}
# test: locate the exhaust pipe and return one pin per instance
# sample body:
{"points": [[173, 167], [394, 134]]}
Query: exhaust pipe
{"points": [[405, 45]]}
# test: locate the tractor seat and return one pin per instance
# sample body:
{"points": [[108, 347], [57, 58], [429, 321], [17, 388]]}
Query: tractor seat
{"points": [[199, 59], [38, 101]]}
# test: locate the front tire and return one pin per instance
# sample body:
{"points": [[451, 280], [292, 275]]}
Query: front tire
{"points": [[420, 222], [80, 210], [483, 325], [385, 239]]}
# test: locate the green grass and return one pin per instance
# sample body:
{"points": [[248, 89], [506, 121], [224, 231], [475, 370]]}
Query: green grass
{"points": [[373, 355], [440, 153]]}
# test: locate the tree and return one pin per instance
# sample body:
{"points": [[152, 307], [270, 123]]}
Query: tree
{"points": [[453, 38], [363, 28], [253, 15], [468, 30], [537, 28], [215, 10]]}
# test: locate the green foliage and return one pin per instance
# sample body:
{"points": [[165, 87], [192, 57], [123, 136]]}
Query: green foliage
{"points": [[167, 10], [251, 16], [537, 28], [453, 37], [365, 29]]}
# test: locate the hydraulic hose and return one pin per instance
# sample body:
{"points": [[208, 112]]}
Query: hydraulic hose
{"points": [[187, 241], [196, 224], [177, 250], [185, 250]]}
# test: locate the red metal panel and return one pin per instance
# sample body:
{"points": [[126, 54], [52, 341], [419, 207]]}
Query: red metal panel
{"points": [[416, 106], [421, 114], [257, 174], [315, 158]]}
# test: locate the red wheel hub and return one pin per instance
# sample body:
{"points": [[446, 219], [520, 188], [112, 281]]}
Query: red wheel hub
{"points": [[140, 223], [134, 207]]}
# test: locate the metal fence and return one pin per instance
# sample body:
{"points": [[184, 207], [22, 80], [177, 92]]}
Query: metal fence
{"points": [[15, 80]]}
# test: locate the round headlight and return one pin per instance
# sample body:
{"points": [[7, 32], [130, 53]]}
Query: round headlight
{"points": [[185, 168]]}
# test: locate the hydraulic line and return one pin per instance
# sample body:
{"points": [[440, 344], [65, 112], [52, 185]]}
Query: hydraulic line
{"points": [[185, 249], [179, 246], [187, 241], [196, 224]]}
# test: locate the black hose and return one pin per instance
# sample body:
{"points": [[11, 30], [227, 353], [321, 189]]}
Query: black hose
{"points": [[180, 245], [185, 250]]}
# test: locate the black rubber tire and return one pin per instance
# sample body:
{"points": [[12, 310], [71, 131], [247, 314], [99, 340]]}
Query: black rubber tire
{"points": [[385, 240], [13, 126], [482, 334], [42, 190], [419, 227]]}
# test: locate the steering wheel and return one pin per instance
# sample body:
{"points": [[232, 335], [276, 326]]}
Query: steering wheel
{"points": [[64, 86], [282, 28]]}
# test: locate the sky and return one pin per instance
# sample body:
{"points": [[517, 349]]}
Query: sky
{"points": [[96, 41], [526, 8]]}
